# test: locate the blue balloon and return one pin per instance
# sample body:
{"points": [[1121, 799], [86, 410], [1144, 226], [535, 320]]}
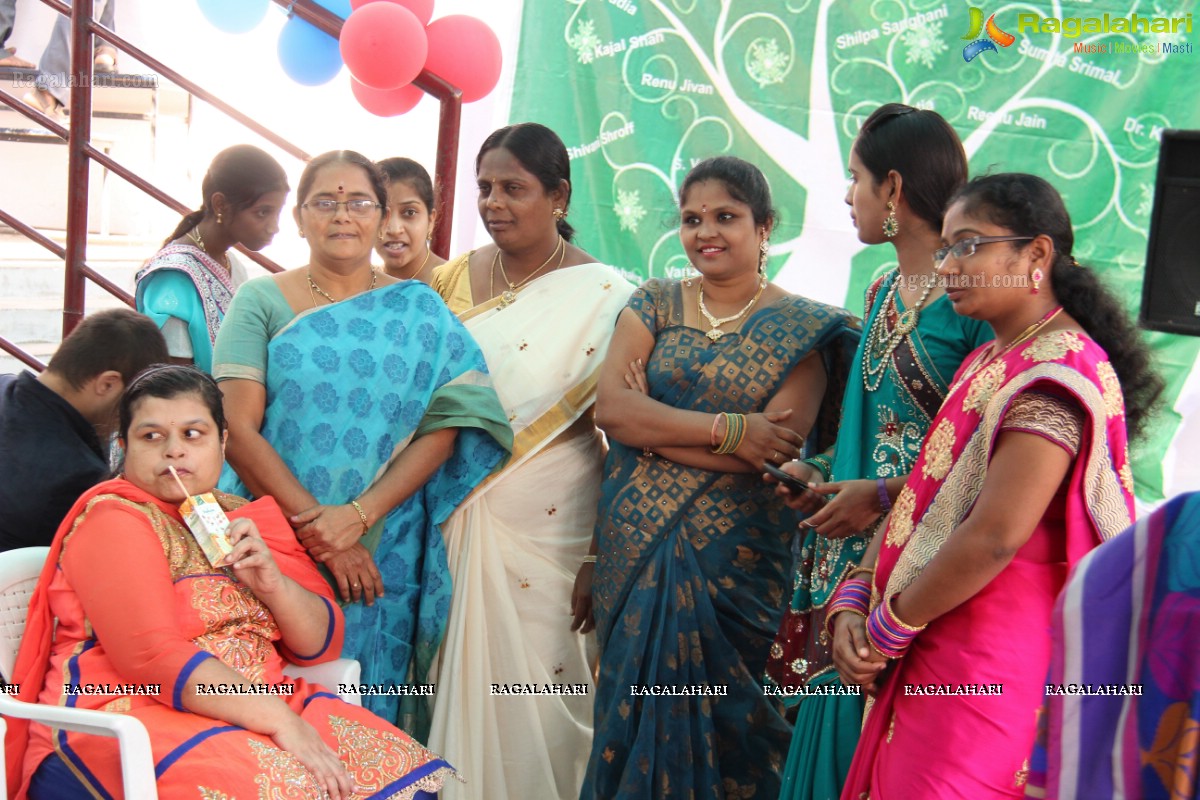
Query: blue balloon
{"points": [[309, 57], [236, 16]]}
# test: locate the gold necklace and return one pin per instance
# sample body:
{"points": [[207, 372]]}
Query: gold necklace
{"points": [[881, 344], [509, 295], [986, 358], [428, 253], [223, 259], [714, 322], [313, 287]]}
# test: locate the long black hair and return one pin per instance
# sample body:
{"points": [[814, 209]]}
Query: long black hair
{"points": [[542, 153], [923, 148], [1027, 205], [242, 173]]}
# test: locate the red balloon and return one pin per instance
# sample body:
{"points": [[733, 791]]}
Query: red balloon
{"points": [[464, 51], [423, 9], [386, 102], [384, 45]]}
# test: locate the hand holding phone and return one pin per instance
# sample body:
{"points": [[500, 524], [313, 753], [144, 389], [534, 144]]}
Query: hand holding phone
{"points": [[793, 483]]}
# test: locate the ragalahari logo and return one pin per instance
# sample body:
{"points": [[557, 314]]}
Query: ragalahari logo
{"points": [[994, 35]]}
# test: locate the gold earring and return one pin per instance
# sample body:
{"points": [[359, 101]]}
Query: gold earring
{"points": [[218, 217], [764, 249], [891, 225], [558, 213]]}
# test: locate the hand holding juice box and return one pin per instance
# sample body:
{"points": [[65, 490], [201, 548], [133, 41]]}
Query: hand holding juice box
{"points": [[207, 522]]}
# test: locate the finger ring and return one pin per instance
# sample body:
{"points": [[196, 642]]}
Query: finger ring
{"points": [[774, 455], [355, 586]]}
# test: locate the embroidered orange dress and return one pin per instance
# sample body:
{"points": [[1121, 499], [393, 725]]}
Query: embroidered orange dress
{"points": [[125, 610]]}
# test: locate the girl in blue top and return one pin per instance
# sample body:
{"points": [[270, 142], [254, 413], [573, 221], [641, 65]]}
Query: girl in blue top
{"points": [[188, 285]]}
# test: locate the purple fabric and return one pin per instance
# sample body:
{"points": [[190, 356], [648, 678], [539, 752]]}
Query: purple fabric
{"points": [[1129, 616]]}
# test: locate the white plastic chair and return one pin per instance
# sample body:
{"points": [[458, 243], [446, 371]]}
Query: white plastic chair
{"points": [[19, 571]]}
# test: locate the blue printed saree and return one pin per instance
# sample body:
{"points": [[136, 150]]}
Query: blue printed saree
{"points": [[693, 567], [349, 386]]}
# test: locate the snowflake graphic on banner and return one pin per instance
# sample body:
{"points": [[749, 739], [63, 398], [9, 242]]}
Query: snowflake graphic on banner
{"points": [[585, 41], [629, 210], [766, 63], [924, 43]]}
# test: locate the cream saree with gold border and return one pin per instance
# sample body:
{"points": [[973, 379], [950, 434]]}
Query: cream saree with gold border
{"points": [[515, 545]]}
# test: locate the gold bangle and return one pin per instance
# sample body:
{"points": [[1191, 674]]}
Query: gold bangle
{"points": [[589, 559], [892, 615], [362, 515], [864, 570]]}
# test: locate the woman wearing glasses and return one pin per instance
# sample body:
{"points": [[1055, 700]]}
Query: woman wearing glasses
{"points": [[1024, 471], [904, 166], [364, 408]]}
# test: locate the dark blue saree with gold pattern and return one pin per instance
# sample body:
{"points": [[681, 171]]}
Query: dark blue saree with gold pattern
{"points": [[694, 566]]}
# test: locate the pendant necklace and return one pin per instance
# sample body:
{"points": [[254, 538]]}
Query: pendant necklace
{"points": [[714, 322], [881, 344], [509, 295]]}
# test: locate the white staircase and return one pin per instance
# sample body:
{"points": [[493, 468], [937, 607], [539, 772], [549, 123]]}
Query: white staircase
{"points": [[142, 123], [31, 287]]}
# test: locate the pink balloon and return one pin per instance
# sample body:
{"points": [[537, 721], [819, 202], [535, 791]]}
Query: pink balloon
{"points": [[422, 9], [384, 45], [386, 102], [464, 51]]}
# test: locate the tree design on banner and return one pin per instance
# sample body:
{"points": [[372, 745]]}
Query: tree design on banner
{"points": [[640, 90]]}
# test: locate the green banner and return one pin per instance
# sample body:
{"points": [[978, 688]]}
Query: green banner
{"points": [[1078, 93]]}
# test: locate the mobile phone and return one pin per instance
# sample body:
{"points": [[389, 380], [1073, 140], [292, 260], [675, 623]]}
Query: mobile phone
{"points": [[793, 483]]}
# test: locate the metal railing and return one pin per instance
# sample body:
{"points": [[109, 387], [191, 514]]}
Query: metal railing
{"points": [[80, 153]]}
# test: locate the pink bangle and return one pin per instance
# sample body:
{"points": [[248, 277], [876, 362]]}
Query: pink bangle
{"points": [[887, 633], [853, 595], [713, 439]]}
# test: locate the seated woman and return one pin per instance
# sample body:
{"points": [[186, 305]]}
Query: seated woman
{"points": [[187, 286], [127, 597], [1025, 470], [404, 239], [705, 381], [364, 407]]}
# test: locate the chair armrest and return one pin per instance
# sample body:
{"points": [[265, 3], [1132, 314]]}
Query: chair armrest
{"points": [[137, 760], [329, 675]]}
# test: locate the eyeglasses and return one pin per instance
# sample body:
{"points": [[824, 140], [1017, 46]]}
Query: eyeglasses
{"points": [[356, 208], [966, 247]]}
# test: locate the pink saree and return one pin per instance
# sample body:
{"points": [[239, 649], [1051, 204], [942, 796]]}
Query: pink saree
{"points": [[956, 716]]}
